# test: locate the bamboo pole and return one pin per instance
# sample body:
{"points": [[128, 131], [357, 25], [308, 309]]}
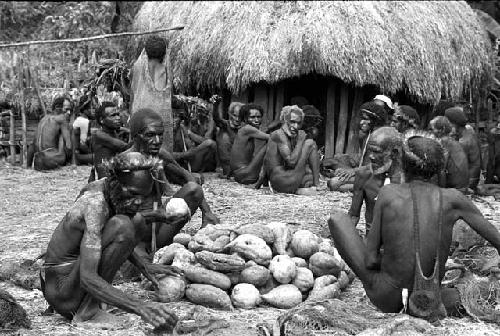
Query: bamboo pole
{"points": [[24, 151], [85, 39]]}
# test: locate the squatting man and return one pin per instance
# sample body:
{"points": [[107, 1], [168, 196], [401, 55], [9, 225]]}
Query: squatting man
{"points": [[98, 234]]}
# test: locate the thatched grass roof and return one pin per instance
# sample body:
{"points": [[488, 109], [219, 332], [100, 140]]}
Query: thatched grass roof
{"points": [[428, 47]]}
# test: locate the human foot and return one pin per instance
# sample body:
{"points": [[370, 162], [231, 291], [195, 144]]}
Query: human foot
{"points": [[104, 320]]}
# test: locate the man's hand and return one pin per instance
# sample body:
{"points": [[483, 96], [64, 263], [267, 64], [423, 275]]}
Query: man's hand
{"points": [[158, 315], [158, 215], [301, 137], [344, 174], [165, 270]]}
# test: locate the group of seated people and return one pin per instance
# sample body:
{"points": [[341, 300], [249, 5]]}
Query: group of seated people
{"points": [[408, 177]]}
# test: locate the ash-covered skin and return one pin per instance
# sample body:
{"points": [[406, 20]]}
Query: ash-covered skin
{"points": [[97, 235]]}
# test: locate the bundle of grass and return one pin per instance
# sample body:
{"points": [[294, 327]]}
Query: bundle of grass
{"points": [[12, 315]]}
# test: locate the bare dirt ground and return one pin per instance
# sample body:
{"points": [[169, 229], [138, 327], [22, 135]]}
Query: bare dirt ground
{"points": [[32, 203]]}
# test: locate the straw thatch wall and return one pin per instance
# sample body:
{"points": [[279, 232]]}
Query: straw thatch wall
{"points": [[428, 48]]}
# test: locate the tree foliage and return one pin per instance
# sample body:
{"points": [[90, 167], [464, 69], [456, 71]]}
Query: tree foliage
{"points": [[36, 20]]}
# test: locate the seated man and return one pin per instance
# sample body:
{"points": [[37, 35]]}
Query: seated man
{"points": [[51, 145], [413, 224], [340, 168], [97, 235], [468, 139], [383, 167], [146, 129], [292, 161], [405, 118], [312, 119], [385, 102], [456, 172], [226, 133], [106, 142], [245, 164], [194, 148], [81, 131]]}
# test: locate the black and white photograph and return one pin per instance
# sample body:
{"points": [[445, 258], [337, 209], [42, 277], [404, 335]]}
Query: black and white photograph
{"points": [[250, 168]]}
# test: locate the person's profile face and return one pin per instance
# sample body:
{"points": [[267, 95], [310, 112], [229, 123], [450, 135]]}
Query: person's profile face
{"points": [[112, 118], [398, 123], [151, 138], [365, 123], [254, 118], [294, 123], [234, 117], [66, 106]]}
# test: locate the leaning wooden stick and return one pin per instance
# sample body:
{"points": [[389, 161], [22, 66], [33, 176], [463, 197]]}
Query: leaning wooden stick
{"points": [[185, 149], [153, 231], [90, 38]]}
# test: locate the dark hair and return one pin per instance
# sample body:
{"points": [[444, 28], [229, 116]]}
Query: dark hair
{"points": [[423, 157], [58, 102], [156, 47], [378, 115], [99, 114], [245, 111], [84, 103], [442, 124]]}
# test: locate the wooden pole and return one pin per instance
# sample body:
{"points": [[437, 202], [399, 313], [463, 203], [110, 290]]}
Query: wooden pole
{"points": [[86, 39], [344, 103], [330, 120], [24, 151], [12, 130], [353, 140]]}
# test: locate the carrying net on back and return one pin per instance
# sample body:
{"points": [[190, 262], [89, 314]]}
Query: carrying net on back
{"points": [[156, 97]]}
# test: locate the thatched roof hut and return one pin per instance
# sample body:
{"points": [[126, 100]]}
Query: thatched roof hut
{"points": [[428, 49]]}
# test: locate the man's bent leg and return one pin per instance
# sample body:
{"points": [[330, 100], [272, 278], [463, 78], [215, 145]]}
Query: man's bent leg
{"points": [[118, 242], [250, 173], [224, 152], [377, 285], [288, 181], [202, 158]]}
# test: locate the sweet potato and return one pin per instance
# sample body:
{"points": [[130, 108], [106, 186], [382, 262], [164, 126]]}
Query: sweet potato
{"points": [[200, 275], [282, 236], [220, 262], [208, 296], [284, 296], [255, 275], [259, 230]]}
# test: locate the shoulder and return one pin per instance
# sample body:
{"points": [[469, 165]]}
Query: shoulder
{"points": [[277, 135]]}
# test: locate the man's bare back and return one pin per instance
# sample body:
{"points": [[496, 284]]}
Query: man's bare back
{"points": [[386, 264]]}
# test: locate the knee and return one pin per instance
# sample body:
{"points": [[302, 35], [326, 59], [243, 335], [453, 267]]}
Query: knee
{"points": [[210, 144], [310, 143], [122, 228], [194, 190], [336, 218]]}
